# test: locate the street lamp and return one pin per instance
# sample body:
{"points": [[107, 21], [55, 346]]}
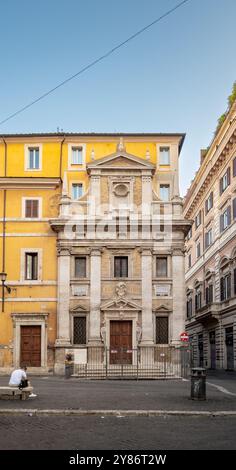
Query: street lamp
{"points": [[3, 277]]}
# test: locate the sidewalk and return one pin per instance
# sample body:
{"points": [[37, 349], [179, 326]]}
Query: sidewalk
{"points": [[58, 393]]}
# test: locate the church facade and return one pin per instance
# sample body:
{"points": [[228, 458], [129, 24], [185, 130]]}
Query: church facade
{"points": [[99, 264]]}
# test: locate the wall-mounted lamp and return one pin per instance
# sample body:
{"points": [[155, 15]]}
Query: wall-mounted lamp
{"points": [[3, 277]]}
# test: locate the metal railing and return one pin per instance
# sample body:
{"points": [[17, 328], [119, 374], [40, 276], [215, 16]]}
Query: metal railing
{"points": [[144, 362]]}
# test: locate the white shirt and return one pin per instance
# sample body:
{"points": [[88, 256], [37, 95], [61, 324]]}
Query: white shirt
{"points": [[17, 376]]}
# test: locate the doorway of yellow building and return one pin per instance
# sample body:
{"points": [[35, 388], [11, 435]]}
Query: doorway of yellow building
{"points": [[30, 346]]}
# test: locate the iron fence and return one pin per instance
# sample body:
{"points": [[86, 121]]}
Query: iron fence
{"points": [[144, 362]]}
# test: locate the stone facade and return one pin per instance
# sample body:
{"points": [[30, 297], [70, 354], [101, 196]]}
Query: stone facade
{"points": [[115, 234], [211, 253]]}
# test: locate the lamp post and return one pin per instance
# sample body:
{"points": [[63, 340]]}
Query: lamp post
{"points": [[3, 277]]}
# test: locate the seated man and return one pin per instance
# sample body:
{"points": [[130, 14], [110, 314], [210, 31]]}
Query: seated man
{"points": [[19, 379]]}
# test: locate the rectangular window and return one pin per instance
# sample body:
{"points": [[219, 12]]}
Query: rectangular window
{"points": [[80, 266], [209, 294], [208, 238], [77, 190], [76, 155], [165, 192], [121, 266], [189, 261], [164, 155], [79, 330], [161, 267], [189, 235], [162, 334], [33, 158], [31, 208], [31, 266], [234, 281], [209, 203], [225, 219], [198, 220], [234, 208], [198, 250], [234, 166], [189, 308], [225, 287], [198, 300], [225, 181]]}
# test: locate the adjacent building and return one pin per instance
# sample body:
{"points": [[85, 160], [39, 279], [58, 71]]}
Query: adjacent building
{"points": [[92, 247], [211, 252]]}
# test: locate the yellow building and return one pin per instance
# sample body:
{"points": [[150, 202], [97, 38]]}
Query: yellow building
{"points": [[56, 288]]}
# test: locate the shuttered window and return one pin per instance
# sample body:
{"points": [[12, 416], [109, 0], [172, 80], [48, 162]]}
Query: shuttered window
{"points": [[225, 287], [80, 266], [79, 331], [225, 219], [31, 266], [225, 181], [161, 267], [209, 294], [31, 208], [162, 333], [198, 220], [209, 203], [33, 158], [121, 266]]}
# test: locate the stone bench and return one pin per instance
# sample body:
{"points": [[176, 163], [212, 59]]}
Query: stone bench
{"points": [[13, 393]]}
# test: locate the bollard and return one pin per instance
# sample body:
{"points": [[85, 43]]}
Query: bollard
{"points": [[198, 383]]}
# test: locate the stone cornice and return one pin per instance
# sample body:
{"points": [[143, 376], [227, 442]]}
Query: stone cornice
{"points": [[30, 182]]}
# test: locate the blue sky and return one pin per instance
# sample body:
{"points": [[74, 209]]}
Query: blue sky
{"points": [[175, 77]]}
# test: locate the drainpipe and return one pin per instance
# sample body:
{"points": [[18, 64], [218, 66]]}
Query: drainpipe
{"points": [[4, 224], [60, 170]]}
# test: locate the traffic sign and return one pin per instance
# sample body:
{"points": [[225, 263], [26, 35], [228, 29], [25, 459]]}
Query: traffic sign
{"points": [[184, 337]]}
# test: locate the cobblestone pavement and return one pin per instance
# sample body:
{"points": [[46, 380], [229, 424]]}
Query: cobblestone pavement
{"points": [[132, 433], [60, 393]]}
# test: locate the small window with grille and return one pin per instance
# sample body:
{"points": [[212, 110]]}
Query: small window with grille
{"points": [[79, 330], [162, 334]]}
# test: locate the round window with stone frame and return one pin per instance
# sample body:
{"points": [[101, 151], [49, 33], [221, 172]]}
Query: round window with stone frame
{"points": [[121, 190]]}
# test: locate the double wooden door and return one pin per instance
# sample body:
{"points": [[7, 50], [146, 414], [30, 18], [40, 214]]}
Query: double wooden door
{"points": [[121, 342], [30, 346]]}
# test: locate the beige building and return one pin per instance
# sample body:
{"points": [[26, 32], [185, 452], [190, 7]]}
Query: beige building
{"points": [[120, 251], [211, 252]]}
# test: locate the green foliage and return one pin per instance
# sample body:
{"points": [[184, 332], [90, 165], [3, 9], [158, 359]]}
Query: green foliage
{"points": [[232, 97], [231, 100]]}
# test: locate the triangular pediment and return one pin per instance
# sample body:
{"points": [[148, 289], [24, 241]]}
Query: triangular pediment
{"points": [[121, 303], [78, 308], [162, 308], [121, 159]]}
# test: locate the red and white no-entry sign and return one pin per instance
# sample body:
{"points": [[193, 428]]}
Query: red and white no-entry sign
{"points": [[184, 336]]}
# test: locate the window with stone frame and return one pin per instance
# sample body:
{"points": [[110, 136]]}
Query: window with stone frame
{"points": [[209, 289], [162, 330], [80, 266], [161, 266], [198, 296], [31, 266], [225, 280], [225, 219], [79, 330], [225, 181], [189, 306], [209, 203], [120, 266], [198, 219], [234, 271]]}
